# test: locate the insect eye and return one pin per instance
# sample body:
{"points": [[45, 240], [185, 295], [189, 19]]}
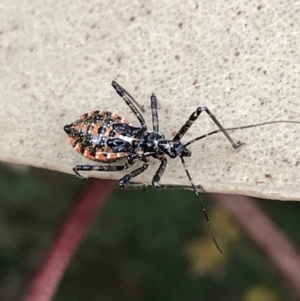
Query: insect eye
{"points": [[186, 152]]}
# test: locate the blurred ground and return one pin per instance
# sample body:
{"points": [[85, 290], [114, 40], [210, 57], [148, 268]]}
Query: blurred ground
{"points": [[143, 246]]}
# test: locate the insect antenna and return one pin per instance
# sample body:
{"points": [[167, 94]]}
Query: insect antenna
{"points": [[200, 202], [240, 128]]}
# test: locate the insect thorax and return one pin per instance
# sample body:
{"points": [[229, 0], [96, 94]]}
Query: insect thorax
{"points": [[148, 145]]}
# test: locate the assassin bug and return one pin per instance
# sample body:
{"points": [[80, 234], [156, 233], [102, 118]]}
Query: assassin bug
{"points": [[107, 137]]}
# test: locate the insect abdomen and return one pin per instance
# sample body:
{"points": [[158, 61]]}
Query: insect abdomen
{"points": [[102, 136]]}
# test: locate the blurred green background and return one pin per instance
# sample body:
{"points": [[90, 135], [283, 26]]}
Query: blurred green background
{"points": [[142, 246]]}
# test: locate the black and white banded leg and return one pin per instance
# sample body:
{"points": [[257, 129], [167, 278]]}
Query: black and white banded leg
{"points": [[194, 116], [125, 181], [131, 102], [78, 168], [159, 173], [154, 113], [200, 202]]}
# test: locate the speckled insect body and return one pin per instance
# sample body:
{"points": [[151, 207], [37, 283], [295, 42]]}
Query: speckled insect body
{"points": [[102, 136], [107, 137]]}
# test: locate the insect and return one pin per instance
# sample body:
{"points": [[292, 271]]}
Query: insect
{"points": [[107, 137]]}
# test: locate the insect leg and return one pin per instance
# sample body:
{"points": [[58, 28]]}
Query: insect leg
{"points": [[241, 128], [124, 182], [154, 113], [97, 168], [159, 173], [200, 202], [179, 186], [131, 102], [155, 182], [194, 116]]}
